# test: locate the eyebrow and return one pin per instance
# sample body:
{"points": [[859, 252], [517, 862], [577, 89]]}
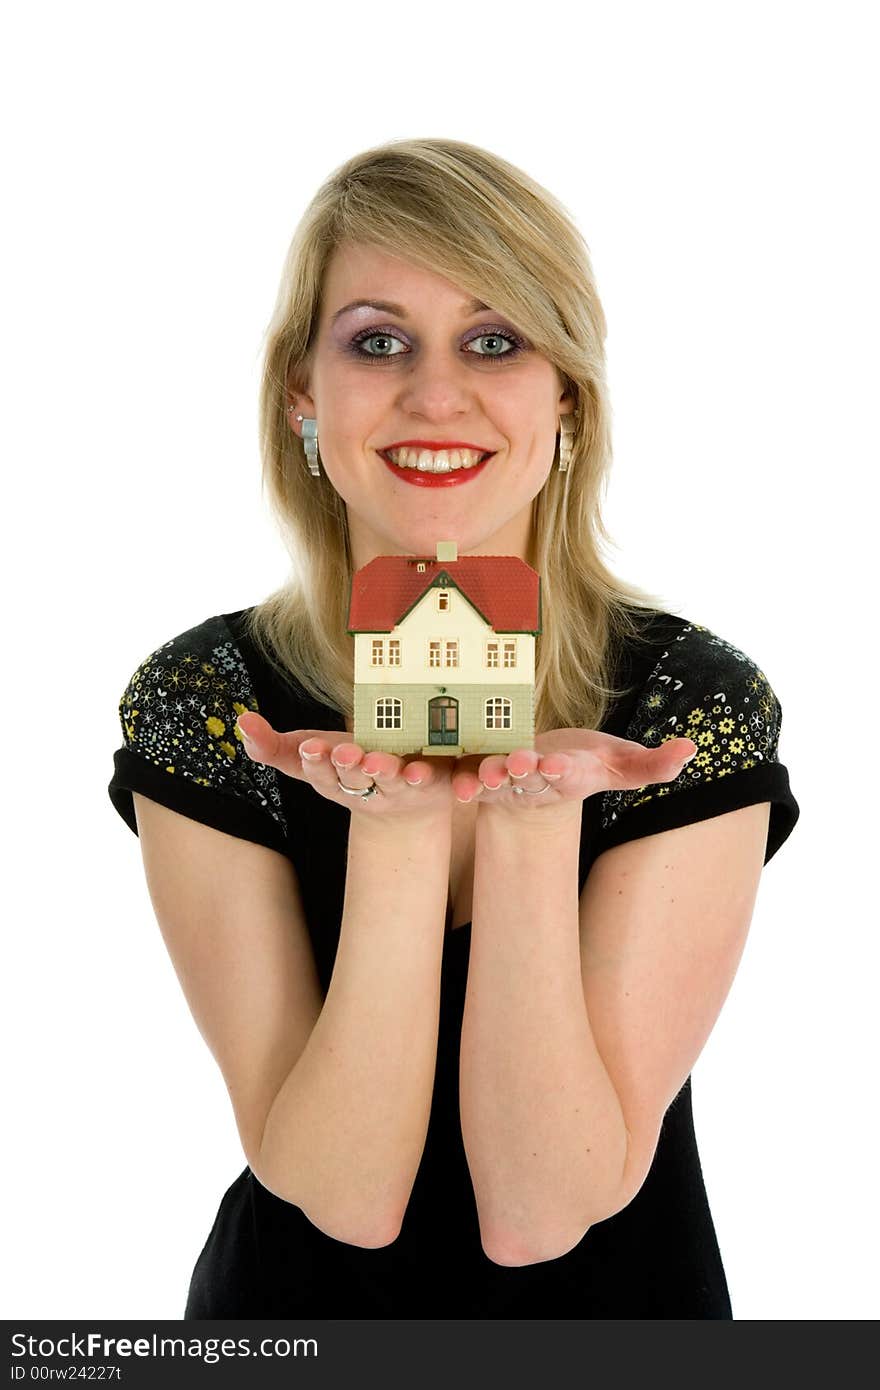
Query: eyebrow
{"points": [[474, 307]]}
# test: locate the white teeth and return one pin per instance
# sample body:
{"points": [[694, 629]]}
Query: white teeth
{"points": [[434, 460]]}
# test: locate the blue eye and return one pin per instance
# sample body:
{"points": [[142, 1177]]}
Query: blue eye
{"points": [[384, 334], [366, 337], [500, 336]]}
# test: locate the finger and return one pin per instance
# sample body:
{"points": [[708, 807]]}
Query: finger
{"points": [[669, 758], [286, 751], [493, 772], [346, 755], [254, 732], [266, 745], [467, 788], [418, 772], [383, 766], [257, 732], [314, 748], [521, 763], [678, 752], [655, 765], [324, 767], [556, 766], [346, 758]]}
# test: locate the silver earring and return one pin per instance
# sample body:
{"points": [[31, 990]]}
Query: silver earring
{"points": [[310, 442], [566, 440]]}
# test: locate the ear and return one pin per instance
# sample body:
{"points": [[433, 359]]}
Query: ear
{"points": [[568, 400], [305, 406]]}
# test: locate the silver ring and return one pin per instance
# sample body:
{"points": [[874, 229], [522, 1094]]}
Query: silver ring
{"points": [[358, 791], [518, 791]]}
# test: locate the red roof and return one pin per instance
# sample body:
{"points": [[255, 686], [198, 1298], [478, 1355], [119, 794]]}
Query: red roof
{"points": [[503, 589]]}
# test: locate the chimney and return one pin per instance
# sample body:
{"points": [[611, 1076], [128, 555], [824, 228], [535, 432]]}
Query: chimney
{"points": [[447, 550]]}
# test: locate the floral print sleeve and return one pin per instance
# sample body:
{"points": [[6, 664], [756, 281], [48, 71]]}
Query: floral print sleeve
{"points": [[703, 688], [180, 741]]}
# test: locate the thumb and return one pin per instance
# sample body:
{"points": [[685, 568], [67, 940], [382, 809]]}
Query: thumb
{"points": [[684, 754], [252, 731]]}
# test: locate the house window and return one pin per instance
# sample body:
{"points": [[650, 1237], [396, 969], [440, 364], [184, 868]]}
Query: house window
{"points": [[498, 713], [492, 649], [442, 599], [443, 653], [389, 712], [377, 652]]}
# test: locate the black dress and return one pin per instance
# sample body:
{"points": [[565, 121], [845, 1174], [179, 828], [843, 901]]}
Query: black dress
{"points": [[658, 1257]]}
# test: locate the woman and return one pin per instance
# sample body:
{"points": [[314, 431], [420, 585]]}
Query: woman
{"points": [[456, 1001]]}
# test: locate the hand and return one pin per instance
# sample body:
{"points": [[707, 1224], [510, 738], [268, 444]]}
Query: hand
{"points": [[577, 762], [405, 789]]}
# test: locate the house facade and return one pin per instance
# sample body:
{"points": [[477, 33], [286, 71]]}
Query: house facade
{"points": [[444, 653]]}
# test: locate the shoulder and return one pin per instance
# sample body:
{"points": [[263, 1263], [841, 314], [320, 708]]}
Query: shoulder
{"points": [[179, 711], [198, 672], [694, 683], [702, 686]]}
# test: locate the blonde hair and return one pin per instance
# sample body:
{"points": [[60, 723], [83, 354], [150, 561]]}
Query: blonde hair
{"points": [[486, 226]]}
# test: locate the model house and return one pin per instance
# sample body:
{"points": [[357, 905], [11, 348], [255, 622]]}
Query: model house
{"points": [[444, 653]]}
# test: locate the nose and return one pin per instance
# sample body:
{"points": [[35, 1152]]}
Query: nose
{"points": [[437, 386]]}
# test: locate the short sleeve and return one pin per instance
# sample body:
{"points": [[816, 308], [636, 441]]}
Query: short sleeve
{"points": [[703, 688], [180, 741]]}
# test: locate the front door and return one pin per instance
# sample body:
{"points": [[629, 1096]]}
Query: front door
{"points": [[443, 720]]}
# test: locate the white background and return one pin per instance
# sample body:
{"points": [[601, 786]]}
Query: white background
{"points": [[720, 165]]}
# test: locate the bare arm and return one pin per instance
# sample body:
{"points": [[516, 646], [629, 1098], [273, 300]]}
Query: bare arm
{"points": [[585, 1014], [541, 1121], [344, 1135]]}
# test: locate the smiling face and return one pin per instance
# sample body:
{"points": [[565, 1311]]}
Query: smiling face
{"points": [[436, 370]]}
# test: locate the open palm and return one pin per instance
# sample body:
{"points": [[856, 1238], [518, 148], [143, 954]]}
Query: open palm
{"points": [[576, 762]]}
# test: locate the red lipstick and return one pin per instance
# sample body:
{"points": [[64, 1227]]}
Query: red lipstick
{"points": [[455, 478]]}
